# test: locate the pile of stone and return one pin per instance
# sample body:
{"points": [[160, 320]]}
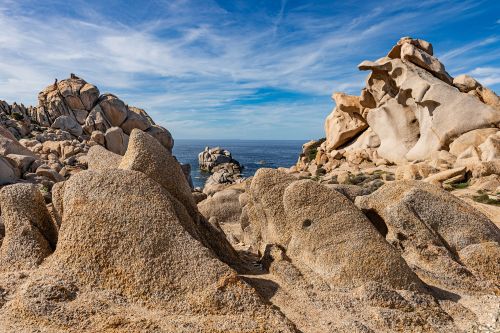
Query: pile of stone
{"points": [[75, 106], [225, 170], [48, 143], [414, 116]]}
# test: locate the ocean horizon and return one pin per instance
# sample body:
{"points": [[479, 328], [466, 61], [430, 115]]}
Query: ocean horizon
{"points": [[252, 154]]}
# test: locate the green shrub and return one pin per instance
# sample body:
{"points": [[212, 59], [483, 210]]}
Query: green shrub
{"points": [[460, 185], [313, 150], [17, 116], [485, 199]]}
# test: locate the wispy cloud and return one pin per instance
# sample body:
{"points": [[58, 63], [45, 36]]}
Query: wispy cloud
{"points": [[200, 67]]}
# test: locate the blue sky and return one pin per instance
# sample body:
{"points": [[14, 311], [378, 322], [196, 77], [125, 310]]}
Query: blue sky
{"points": [[234, 69]]}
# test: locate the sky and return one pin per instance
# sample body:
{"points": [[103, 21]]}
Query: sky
{"points": [[255, 69]]}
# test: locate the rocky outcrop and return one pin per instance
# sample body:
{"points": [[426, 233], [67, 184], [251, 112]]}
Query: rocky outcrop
{"points": [[212, 157], [225, 170], [285, 212], [411, 113], [77, 107], [407, 238], [48, 143], [345, 121], [344, 241]]}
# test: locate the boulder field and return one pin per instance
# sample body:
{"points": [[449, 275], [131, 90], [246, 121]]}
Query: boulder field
{"points": [[390, 224]]}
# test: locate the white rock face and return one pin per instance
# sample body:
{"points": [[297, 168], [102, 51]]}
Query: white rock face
{"points": [[397, 128], [345, 121], [414, 107]]}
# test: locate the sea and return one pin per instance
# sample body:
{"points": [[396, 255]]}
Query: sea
{"points": [[252, 154]]}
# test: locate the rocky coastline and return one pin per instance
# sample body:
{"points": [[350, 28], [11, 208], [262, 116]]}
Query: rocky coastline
{"points": [[388, 224]]}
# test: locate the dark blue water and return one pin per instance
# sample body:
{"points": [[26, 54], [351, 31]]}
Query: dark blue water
{"points": [[253, 154]]}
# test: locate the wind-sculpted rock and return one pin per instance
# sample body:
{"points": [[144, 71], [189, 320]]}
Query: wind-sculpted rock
{"points": [[147, 155], [345, 121], [409, 111], [105, 233], [336, 241]]}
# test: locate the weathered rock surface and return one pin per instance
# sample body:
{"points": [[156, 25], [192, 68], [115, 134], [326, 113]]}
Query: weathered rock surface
{"points": [[30, 234], [345, 121], [130, 261], [344, 241], [417, 117], [116, 140], [430, 226], [99, 158]]}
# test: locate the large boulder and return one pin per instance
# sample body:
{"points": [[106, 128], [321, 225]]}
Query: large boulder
{"points": [[89, 95], [136, 118], [224, 209], [162, 135], [419, 43], [422, 59], [490, 148], [30, 233], [96, 121], [8, 173], [113, 109], [465, 83], [116, 140], [336, 241], [68, 124], [10, 145], [472, 138], [430, 226], [147, 155], [266, 209]]}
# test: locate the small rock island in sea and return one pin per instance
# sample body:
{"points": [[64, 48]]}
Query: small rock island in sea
{"points": [[388, 224], [223, 168]]}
